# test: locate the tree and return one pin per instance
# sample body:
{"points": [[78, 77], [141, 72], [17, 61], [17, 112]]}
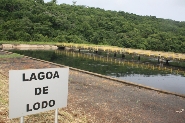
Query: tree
{"points": [[38, 21], [39, 1], [74, 2]]}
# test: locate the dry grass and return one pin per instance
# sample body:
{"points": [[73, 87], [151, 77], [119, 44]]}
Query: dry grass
{"points": [[45, 117]]}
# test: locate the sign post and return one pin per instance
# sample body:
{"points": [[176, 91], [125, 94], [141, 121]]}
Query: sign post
{"points": [[22, 119], [37, 90], [56, 115]]}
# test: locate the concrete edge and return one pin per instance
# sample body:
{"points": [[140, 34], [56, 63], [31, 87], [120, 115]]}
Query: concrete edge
{"points": [[106, 77]]}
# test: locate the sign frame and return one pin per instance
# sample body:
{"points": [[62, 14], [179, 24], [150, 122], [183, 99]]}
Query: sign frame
{"points": [[31, 90]]}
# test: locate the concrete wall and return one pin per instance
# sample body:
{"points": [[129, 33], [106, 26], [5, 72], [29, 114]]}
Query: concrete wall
{"points": [[27, 47]]}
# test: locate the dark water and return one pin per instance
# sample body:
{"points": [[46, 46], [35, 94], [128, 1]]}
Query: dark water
{"points": [[160, 77]]}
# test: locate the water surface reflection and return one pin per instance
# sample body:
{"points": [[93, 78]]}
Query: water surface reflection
{"points": [[165, 78], [169, 82]]}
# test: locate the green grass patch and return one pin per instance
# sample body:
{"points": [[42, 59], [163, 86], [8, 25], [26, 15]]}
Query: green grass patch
{"points": [[13, 55], [2, 101], [31, 42]]}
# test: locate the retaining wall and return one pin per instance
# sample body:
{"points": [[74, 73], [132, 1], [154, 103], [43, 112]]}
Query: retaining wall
{"points": [[26, 46]]}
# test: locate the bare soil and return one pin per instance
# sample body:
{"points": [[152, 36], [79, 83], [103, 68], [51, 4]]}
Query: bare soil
{"points": [[93, 99]]}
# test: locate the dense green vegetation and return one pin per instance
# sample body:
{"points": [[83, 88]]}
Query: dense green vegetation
{"points": [[34, 20]]}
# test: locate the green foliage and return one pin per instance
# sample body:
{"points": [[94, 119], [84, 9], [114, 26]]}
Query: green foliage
{"points": [[34, 20]]}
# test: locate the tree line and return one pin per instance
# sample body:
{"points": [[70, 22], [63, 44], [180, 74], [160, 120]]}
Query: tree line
{"points": [[34, 20]]}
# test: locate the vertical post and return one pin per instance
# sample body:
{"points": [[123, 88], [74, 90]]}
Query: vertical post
{"points": [[56, 116], [22, 119]]}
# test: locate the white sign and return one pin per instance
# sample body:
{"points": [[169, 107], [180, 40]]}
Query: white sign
{"points": [[37, 90]]}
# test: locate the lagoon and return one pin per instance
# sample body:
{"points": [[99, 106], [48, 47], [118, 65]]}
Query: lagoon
{"points": [[166, 78]]}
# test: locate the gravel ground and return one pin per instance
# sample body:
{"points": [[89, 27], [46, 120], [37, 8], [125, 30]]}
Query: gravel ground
{"points": [[100, 100]]}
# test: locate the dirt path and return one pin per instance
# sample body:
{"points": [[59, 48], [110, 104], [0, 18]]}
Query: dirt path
{"points": [[98, 100]]}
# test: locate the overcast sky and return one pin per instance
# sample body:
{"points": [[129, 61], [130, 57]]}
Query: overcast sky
{"points": [[168, 9]]}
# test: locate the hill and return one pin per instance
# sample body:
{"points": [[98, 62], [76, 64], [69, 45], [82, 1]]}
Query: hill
{"points": [[34, 20]]}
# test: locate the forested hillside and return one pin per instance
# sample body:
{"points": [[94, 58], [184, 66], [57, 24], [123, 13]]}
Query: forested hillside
{"points": [[34, 20]]}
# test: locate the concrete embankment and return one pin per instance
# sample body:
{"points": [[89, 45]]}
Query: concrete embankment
{"points": [[26, 46]]}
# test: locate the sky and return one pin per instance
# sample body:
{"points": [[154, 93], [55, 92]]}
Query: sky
{"points": [[167, 9]]}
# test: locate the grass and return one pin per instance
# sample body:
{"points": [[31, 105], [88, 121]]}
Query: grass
{"points": [[48, 43], [13, 55], [3, 87], [42, 43], [31, 42]]}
